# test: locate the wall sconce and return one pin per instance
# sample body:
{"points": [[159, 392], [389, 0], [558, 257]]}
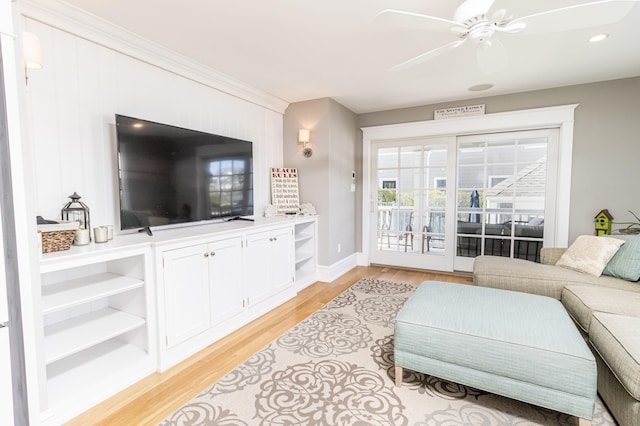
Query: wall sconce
{"points": [[32, 50], [303, 138]]}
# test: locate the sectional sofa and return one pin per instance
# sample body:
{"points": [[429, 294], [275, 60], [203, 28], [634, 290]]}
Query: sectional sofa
{"points": [[606, 309], [527, 243]]}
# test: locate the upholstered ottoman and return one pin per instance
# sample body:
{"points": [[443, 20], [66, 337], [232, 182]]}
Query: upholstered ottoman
{"points": [[518, 345]]}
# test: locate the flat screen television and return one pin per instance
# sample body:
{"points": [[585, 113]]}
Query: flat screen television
{"points": [[170, 176]]}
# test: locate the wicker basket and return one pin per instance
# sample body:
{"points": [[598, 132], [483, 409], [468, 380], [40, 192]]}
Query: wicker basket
{"points": [[57, 237]]}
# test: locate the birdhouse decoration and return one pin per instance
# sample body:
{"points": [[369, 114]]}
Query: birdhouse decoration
{"points": [[604, 220], [76, 210]]}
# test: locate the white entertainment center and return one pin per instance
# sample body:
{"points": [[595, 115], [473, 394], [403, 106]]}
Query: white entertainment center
{"points": [[115, 312]]}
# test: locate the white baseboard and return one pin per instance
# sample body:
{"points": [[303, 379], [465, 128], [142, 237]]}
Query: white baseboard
{"points": [[362, 259], [333, 272]]}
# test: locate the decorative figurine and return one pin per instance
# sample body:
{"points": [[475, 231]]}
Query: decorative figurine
{"points": [[307, 209], [270, 211]]}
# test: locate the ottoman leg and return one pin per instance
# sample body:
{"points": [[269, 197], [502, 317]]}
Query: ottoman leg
{"points": [[399, 377]]}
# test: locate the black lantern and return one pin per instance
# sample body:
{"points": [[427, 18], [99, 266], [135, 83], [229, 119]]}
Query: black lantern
{"points": [[76, 210]]}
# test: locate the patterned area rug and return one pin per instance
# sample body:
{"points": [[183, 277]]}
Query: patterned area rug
{"points": [[336, 368]]}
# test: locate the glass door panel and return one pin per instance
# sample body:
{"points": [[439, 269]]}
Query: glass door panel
{"points": [[412, 181], [502, 182]]}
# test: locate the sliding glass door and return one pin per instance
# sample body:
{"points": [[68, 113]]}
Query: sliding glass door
{"points": [[502, 181], [440, 202], [413, 187]]}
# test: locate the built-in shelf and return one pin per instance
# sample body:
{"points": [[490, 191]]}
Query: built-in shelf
{"points": [[100, 316], [302, 238], [303, 258], [305, 252], [76, 334], [98, 330], [77, 380], [57, 297]]}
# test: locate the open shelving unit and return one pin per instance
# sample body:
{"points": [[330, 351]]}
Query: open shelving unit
{"points": [[305, 252], [97, 316]]}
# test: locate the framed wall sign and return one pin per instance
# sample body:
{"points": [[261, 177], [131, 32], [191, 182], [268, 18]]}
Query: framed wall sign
{"points": [[462, 111], [284, 190]]}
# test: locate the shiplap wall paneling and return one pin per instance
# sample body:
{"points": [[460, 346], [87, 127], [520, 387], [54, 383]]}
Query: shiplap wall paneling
{"points": [[74, 98]]}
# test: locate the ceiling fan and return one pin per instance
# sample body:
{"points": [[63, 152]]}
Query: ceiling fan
{"points": [[472, 21]]}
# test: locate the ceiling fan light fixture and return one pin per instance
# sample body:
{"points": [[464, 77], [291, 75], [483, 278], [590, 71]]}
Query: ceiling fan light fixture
{"points": [[480, 87], [598, 37], [482, 33]]}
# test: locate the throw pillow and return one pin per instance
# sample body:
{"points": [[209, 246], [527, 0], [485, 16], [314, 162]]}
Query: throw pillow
{"points": [[590, 254], [625, 263]]}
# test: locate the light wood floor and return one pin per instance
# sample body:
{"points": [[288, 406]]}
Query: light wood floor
{"points": [[155, 397]]}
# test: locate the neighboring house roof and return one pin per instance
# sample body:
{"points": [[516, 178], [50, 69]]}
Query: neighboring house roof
{"points": [[529, 182]]}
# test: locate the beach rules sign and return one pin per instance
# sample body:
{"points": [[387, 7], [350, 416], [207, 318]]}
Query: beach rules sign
{"points": [[284, 190]]}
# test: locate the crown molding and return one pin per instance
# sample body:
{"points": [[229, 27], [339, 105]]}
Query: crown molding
{"points": [[74, 20]]}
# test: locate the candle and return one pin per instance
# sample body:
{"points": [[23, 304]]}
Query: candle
{"points": [[100, 234], [82, 237]]}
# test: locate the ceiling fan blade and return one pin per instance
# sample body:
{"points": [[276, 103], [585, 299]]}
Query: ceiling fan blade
{"points": [[399, 18], [576, 17], [511, 27], [492, 57], [427, 55], [498, 15]]}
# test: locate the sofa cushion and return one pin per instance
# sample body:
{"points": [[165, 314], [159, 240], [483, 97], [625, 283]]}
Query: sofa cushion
{"points": [[536, 278], [582, 301], [625, 263], [617, 341], [590, 254]]}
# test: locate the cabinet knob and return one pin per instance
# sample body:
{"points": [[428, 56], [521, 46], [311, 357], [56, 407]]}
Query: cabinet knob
{"points": [[213, 253], [206, 255]]}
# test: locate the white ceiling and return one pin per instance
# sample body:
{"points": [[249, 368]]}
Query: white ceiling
{"points": [[306, 49]]}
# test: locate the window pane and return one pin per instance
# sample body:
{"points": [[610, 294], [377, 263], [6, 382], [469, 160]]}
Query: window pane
{"points": [[501, 152], [532, 150], [435, 157], [412, 183], [411, 156], [228, 180], [471, 177], [238, 166], [471, 153], [512, 174], [387, 157], [435, 198], [435, 177]]}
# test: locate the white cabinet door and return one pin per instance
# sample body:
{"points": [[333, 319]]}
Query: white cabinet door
{"points": [[281, 269], [225, 279], [186, 292], [270, 256], [257, 257]]}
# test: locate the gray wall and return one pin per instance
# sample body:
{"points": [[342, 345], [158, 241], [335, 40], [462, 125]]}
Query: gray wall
{"points": [[606, 150], [325, 178], [606, 144]]}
